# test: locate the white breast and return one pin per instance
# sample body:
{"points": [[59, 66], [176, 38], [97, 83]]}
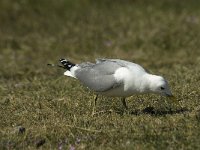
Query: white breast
{"points": [[122, 76], [131, 79]]}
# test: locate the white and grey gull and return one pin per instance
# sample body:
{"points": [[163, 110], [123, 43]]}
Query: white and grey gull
{"points": [[116, 78]]}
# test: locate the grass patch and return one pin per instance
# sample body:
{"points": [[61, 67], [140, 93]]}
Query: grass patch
{"points": [[40, 108]]}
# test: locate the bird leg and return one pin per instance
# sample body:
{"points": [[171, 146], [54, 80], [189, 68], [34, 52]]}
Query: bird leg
{"points": [[124, 102], [95, 100], [94, 105]]}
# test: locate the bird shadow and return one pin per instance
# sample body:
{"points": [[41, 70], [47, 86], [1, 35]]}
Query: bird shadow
{"points": [[152, 111]]}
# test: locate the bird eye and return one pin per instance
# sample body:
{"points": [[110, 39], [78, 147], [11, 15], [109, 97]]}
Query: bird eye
{"points": [[162, 88]]}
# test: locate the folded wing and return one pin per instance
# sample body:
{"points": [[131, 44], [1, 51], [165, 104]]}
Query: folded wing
{"points": [[98, 77]]}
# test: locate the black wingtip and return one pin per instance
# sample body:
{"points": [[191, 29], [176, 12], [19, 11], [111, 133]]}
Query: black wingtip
{"points": [[66, 64]]}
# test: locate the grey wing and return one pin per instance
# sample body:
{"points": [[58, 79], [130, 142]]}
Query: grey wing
{"points": [[98, 83], [98, 77], [86, 64], [122, 63], [117, 61]]}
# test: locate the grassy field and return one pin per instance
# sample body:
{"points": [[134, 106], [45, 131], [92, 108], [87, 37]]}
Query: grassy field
{"points": [[41, 108]]}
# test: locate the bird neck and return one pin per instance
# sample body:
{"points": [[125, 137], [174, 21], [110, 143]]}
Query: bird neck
{"points": [[148, 83]]}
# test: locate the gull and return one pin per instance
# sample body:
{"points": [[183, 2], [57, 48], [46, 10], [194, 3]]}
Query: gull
{"points": [[116, 78]]}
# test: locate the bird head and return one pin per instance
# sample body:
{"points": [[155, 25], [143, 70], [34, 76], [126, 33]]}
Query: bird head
{"points": [[160, 86]]}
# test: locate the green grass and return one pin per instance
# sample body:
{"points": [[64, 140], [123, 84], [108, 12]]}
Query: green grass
{"points": [[163, 36]]}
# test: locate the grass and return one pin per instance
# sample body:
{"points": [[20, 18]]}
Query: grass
{"points": [[40, 108]]}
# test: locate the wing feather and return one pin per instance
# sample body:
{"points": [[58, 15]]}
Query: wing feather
{"points": [[98, 77]]}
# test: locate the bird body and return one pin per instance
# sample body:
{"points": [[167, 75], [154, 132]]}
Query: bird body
{"points": [[117, 78]]}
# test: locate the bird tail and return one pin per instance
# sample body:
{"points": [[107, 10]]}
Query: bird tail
{"points": [[67, 64]]}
